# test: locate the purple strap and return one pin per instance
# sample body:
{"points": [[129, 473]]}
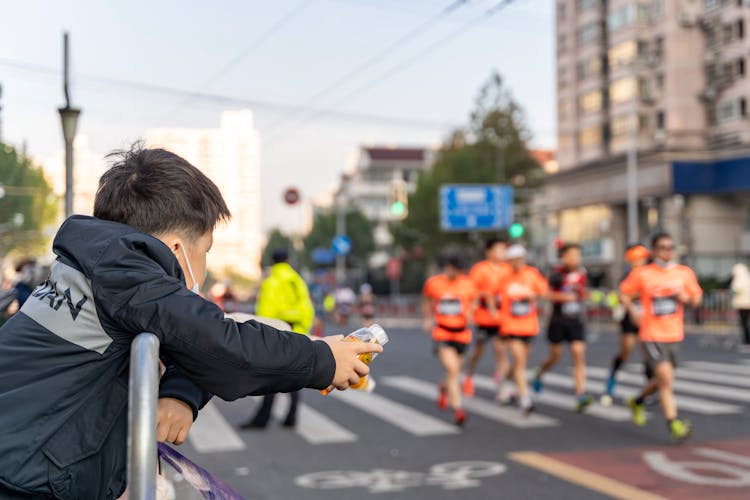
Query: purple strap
{"points": [[210, 486]]}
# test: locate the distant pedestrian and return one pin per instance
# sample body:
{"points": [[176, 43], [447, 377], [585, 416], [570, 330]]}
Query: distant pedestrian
{"points": [[284, 296], [741, 298], [366, 305]]}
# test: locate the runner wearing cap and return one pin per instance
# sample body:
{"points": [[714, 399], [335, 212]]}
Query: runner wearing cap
{"points": [[486, 276], [568, 292], [519, 318], [664, 288], [636, 256], [448, 305]]}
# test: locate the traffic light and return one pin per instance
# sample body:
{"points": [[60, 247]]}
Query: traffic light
{"points": [[398, 202], [516, 230]]}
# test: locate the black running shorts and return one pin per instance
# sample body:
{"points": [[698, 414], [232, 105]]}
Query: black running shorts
{"points": [[562, 329], [459, 347], [484, 333]]}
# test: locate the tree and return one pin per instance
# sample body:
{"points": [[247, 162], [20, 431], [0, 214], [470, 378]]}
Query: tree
{"points": [[276, 240], [25, 191], [492, 149], [358, 228]]}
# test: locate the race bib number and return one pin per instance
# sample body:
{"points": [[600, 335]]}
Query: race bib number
{"points": [[572, 308], [664, 306], [520, 308], [449, 307]]}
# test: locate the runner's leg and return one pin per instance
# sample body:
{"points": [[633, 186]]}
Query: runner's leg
{"points": [[665, 378], [501, 359], [519, 350], [476, 355], [578, 352], [451, 361]]}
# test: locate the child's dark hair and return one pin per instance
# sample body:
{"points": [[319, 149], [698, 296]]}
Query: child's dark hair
{"points": [[156, 192], [566, 248]]}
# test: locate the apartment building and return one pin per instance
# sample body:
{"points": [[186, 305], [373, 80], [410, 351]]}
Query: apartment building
{"points": [[666, 78]]}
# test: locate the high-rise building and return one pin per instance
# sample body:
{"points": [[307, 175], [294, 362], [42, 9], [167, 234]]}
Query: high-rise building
{"points": [[229, 156], [665, 79]]}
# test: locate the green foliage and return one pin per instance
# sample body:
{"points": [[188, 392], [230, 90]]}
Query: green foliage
{"points": [[26, 192], [493, 149], [276, 240], [358, 228]]}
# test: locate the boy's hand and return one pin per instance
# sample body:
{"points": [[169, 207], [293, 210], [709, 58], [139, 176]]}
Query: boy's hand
{"points": [[173, 420], [349, 369]]}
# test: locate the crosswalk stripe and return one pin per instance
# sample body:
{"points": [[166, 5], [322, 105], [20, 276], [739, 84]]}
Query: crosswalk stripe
{"points": [[689, 387], [720, 367], [703, 376], [402, 416], [564, 401], [212, 433], [474, 405], [316, 428], [696, 405]]}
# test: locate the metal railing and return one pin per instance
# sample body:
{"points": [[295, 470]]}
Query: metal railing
{"points": [[142, 401]]}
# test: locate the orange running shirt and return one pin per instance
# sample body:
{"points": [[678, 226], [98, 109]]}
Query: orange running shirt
{"points": [[487, 276], [519, 291], [451, 305], [657, 288]]}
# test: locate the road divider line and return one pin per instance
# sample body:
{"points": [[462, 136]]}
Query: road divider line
{"points": [[478, 406], [720, 367], [704, 376], [402, 416], [316, 428], [690, 387], [211, 433], [581, 477], [696, 405], [564, 401]]}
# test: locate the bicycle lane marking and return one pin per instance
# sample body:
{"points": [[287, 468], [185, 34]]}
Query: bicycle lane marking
{"points": [[715, 469]]}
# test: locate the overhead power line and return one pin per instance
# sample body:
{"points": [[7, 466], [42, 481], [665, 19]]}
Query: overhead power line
{"points": [[400, 66], [373, 59], [255, 45], [224, 99]]}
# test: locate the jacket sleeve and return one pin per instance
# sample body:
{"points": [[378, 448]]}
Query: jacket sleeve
{"points": [[174, 384], [221, 356]]}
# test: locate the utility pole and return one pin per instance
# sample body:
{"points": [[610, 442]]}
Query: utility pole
{"points": [[69, 118], [341, 209], [632, 172]]}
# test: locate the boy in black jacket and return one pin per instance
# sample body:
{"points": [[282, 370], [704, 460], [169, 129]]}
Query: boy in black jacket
{"points": [[136, 266]]}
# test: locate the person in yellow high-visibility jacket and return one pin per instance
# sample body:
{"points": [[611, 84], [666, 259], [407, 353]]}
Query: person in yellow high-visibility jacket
{"points": [[283, 295]]}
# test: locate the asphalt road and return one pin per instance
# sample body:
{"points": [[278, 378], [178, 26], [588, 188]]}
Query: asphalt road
{"points": [[395, 443]]}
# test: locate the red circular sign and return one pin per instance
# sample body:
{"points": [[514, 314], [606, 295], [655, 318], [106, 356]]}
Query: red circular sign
{"points": [[291, 196]]}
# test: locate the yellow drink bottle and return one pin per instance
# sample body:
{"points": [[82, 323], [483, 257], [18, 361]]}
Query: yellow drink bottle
{"points": [[373, 334]]}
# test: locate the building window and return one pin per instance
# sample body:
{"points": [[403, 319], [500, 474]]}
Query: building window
{"points": [[622, 90], [562, 76], [622, 54], [561, 10], [588, 33], [658, 48], [659, 81], [657, 10], [740, 31], [561, 42], [621, 17], [588, 68], [660, 120], [590, 136], [743, 107], [741, 67], [726, 112], [563, 109], [590, 102], [726, 33], [584, 5], [621, 125]]}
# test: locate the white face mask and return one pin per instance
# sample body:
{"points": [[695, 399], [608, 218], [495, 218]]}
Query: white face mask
{"points": [[196, 287]]}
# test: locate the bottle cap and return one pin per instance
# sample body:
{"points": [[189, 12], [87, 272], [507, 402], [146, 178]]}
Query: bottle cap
{"points": [[379, 333]]}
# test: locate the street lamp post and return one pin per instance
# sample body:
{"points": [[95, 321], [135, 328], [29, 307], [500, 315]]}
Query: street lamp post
{"points": [[69, 118]]}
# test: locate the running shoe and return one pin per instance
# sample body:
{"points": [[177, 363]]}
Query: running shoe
{"points": [[639, 412], [468, 386], [442, 398], [528, 409], [459, 417], [536, 384], [506, 395], [584, 400], [611, 383], [680, 429]]}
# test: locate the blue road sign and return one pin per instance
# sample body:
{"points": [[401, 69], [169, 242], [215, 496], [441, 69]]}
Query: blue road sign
{"points": [[475, 207], [341, 244]]}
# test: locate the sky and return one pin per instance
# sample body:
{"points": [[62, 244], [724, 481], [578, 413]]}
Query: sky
{"points": [[137, 65]]}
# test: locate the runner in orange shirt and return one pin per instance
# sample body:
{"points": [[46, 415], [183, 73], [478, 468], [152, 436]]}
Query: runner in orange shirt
{"points": [[486, 276], [664, 288], [519, 318], [449, 302]]}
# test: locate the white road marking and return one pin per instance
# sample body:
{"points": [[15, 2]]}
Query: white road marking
{"points": [[564, 401], [720, 367], [704, 376], [316, 428], [211, 433], [402, 416], [478, 406]]}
